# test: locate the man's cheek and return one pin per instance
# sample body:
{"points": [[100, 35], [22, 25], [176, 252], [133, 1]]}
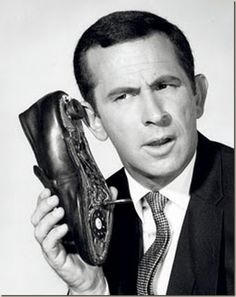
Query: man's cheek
{"points": [[187, 116]]}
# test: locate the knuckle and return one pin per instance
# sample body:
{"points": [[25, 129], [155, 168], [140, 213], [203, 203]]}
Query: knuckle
{"points": [[43, 207], [32, 220], [55, 232], [45, 246], [37, 233], [40, 196], [45, 193]]}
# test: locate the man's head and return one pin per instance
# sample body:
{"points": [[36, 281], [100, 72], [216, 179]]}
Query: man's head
{"points": [[147, 101], [123, 26]]}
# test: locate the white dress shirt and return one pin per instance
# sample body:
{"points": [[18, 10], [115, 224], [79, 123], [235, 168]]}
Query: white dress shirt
{"points": [[178, 194]]}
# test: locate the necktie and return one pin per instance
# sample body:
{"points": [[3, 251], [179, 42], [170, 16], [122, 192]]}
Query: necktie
{"points": [[149, 262]]}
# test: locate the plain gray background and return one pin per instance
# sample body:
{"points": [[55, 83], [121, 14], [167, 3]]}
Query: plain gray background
{"points": [[37, 43]]}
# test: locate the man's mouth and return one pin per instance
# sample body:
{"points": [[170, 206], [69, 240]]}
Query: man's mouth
{"points": [[160, 141], [160, 147]]}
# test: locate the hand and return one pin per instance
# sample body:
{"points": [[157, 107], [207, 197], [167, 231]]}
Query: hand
{"points": [[81, 277]]}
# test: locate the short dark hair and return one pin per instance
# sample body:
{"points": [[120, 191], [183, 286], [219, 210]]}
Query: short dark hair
{"points": [[123, 26]]}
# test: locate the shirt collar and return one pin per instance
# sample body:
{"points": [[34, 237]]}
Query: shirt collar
{"points": [[177, 191]]}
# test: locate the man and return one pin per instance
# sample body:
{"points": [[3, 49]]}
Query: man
{"points": [[135, 72]]}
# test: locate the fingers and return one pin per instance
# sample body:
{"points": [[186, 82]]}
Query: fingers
{"points": [[46, 231], [48, 223], [44, 205], [45, 218], [44, 194], [51, 241]]}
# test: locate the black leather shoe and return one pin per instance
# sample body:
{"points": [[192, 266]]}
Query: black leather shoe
{"points": [[54, 129]]}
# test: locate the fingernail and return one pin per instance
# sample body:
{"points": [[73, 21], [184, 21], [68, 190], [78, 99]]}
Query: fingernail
{"points": [[58, 210], [52, 200], [64, 227]]}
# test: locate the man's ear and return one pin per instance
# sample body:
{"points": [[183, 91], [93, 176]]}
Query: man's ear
{"points": [[201, 84], [94, 122]]}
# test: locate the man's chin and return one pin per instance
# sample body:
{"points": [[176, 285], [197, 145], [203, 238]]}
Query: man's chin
{"points": [[169, 167]]}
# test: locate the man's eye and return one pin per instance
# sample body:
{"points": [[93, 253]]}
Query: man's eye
{"points": [[162, 86], [122, 97]]}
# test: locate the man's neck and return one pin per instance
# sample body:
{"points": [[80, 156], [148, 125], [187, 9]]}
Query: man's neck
{"points": [[156, 183]]}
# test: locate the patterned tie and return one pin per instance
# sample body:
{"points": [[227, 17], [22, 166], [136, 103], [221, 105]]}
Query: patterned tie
{"points": [[149, 262]]}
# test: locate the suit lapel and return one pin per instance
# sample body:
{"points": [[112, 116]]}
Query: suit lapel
{"points": [[195, 269], [196, 263]]}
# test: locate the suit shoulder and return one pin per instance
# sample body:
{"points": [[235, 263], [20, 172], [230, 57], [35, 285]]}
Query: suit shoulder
{"points": [[213, 146], [223, 147], [227, 167], [116, 177], [120, 182], [227, 154]]}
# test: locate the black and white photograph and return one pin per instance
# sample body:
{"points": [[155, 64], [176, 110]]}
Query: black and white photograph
{"points": [[117, 147]]}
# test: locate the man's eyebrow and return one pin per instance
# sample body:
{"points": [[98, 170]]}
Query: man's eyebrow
{"points": [[155, 83], [165, 79], [120, 90]]}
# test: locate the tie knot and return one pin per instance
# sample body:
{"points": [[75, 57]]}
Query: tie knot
{"points": [[156, 201]]}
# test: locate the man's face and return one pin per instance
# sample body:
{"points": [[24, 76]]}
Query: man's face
{"points": [[146, 107]]}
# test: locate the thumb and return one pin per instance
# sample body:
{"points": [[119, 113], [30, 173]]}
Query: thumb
{"points": [[114, 193]]}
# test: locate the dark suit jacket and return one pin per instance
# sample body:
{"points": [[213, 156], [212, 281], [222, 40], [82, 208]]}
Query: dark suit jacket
{"points": [[204, 261]]}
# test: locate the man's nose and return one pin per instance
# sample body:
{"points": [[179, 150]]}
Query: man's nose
{"points": [[153, 111]]}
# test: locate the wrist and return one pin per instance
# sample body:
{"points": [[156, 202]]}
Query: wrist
{"points": [[98, 286]]}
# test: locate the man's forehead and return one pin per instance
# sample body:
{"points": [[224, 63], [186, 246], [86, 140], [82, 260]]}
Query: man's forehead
{"points": [[128, 57], [138, 72], [128, 47]]}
